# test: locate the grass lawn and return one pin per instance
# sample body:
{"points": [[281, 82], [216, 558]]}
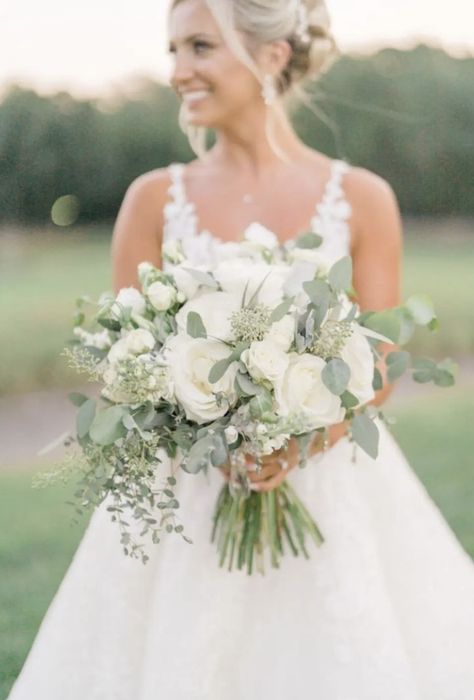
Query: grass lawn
{"points": [[37, 543], [41, 275]]}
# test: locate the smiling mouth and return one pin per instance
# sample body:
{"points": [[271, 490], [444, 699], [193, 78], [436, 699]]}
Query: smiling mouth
{"points": [[191, 98]]}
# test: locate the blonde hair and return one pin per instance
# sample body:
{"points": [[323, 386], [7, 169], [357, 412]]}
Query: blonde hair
{"points": [[264, 21]]}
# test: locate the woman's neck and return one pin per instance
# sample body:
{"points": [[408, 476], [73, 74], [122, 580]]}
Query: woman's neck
{"points": [[246, 147]]}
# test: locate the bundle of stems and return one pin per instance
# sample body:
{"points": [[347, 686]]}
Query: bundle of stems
{"points": [[247, 524]]}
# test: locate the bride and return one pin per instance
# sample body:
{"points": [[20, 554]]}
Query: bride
{"points": [[385, 608]]}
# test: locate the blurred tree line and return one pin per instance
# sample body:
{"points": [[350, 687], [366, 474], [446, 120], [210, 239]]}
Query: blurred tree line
{"points": [[407, 115]]}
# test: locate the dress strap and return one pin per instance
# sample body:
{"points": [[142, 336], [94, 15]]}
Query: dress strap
{"points": [[334, 199], [180, 219], [176, 189]]}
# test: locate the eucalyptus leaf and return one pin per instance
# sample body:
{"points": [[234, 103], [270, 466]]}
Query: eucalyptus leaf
{"points": [[308, 240], [397, 364], [377, 383], [246, 386], [336, 376], [348, 400], [199, 455], [443, 378], [366, 434], [424, 370], [195, 326], [109, 323], [261, 403], [219, 369], [107, 426], [281, 310], [340, 274], [386, 323], [85, 417], [77, 399]]}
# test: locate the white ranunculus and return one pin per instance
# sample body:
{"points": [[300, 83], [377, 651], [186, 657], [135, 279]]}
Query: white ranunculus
{"points": [[358, 355], [128, 297], [235, 275], [265, 361], [282, 332], [302, 392], [190, 361], [215, 309], [161, 296], [261, 236]]}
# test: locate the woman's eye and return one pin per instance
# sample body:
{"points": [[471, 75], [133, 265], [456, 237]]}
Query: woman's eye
{"points": [[201, 46]]}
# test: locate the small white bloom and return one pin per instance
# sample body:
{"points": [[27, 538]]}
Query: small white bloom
{"points": [[100, 340], [231, 434], [133, 343], [265, 361], [302, 391], [172, 251], [261, 236], [161, 296], [144, 269], [261, 429], [128, 297]]}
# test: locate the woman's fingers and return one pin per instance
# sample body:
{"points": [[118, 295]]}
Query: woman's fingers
{"points": [[270, 484]]}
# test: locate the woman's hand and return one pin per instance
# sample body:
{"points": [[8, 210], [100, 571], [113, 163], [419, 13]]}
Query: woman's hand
{"points": [[275, 467]]}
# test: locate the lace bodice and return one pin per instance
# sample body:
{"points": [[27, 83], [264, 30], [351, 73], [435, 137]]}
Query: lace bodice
{"points": [[331, 218]]}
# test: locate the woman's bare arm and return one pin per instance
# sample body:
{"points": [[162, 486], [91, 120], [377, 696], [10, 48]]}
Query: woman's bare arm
{"points": [[138, 228]]}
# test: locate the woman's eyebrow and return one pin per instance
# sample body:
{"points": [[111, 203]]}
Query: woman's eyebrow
{"points": [[190, 38]]}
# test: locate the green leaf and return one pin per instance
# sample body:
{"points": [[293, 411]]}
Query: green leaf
{"points": [[254, 298], [421, 308], [377, 383], [219, 369], [246, 386], [366, 434], [348, 400], [110, 324], [308, 240], [85, 417], [386, 323], [195, 326], [397, 364], [336, 376], [107, 426], [261, 404], [443, 378], [77, 399], [281, 310], [340, 275], [199, 455], [318, 291], [424, 370], [407, 325]]}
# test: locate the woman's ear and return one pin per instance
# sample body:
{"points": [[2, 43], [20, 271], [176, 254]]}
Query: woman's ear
{"points": [[274, 56]]}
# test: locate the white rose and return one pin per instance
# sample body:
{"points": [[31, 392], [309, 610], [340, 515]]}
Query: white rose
{"points": [[261, 236], [265, 360], [358, 355], [161, 296], [128, 297], [282, 332], [118, 351], [190, 361], [302, 392], [235, 276], [215, 309]]}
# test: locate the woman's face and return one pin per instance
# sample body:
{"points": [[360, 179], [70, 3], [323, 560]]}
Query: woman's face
{"points": [[216, 87]]}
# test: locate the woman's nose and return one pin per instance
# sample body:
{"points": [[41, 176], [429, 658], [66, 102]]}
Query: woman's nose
{"points": [[183, 70]]}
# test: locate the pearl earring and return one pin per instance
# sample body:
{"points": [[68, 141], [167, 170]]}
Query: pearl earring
{"points": [[269, 92]]}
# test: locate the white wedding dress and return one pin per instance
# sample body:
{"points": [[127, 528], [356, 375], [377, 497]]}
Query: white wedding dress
{"points": [[384, 610]]}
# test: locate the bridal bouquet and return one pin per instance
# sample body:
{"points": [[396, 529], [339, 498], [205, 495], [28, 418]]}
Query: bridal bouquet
{"points": [[213, 364]]}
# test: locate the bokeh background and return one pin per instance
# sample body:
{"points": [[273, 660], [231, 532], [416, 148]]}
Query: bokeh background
{"points": [[85, 107]]}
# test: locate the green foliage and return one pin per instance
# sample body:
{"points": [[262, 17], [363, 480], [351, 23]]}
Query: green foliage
{"points": [[406, 115]]}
